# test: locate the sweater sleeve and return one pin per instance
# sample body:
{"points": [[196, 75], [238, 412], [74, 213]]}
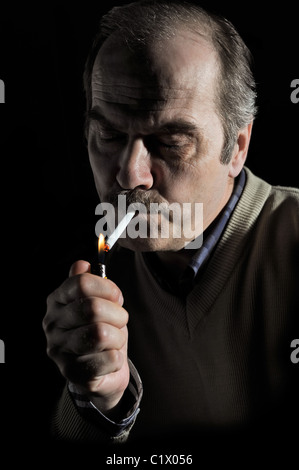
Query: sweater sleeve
{"points": [[75, 418]]}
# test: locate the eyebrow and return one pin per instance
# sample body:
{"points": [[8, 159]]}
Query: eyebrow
{"points": [[94, 115], [178, 125]]}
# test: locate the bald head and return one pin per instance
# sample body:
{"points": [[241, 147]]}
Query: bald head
{"points": [[145, 25], [171, 69]]}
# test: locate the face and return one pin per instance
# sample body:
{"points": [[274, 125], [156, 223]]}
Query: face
{"points": [[155, 135]]}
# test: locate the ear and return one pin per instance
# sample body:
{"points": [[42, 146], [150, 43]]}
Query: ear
{"points": [[240, 151]]}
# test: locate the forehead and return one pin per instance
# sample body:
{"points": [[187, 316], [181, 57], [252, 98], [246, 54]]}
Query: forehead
{"points": [[174, 72]]}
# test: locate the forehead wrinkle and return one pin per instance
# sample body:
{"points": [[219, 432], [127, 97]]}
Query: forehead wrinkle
{"points": [[139, 106], [144, 92], [121, 117], [125, 99], [147, 100], [149, 122]]}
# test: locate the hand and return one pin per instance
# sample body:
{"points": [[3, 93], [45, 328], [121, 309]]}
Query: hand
{"points": [[87, 336]]}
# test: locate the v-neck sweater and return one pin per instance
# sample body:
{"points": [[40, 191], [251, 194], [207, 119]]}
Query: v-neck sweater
{"points": [[219, 357]]}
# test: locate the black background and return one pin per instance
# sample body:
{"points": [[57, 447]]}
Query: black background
{"points": [[48, 198]]}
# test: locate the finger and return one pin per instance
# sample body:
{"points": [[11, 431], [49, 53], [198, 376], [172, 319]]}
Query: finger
{"points": [[89, 339], [88, 310], [84, 312], [79, 267], [86, 285]]}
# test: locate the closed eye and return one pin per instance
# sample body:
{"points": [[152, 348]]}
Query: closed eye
{"points": [[111, 136], [165, 146]]}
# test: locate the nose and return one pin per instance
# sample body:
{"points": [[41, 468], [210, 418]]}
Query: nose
{"points": [[134, 166]]}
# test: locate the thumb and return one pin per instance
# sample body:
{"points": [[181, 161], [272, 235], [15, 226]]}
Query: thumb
{"points": [[79, 267]]}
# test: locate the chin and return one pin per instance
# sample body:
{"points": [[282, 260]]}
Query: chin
{"points": [[151, 244]]}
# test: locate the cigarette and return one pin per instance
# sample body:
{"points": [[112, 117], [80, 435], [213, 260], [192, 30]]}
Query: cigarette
{"points": [[119, 229], [100, 268]]}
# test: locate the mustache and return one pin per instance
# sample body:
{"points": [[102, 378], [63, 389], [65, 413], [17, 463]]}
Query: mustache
{"points": [[137, 196]]}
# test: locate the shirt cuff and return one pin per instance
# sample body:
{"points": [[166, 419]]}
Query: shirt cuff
{"points": [[131, 401]]}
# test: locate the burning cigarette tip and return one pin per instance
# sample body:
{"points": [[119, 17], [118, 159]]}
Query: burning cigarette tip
{"points": [[120, 229], [105, 246]]}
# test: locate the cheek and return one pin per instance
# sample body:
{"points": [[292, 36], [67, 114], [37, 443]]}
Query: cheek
{"points": [[204, 181]]}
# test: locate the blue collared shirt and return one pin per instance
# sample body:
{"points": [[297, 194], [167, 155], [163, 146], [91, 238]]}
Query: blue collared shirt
{"points": [[210, 240]]}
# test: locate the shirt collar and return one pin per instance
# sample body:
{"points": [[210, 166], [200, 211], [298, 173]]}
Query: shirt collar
{"points": [[209, 238], [213, 233]]}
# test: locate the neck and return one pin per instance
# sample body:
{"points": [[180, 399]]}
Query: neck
{"points": [[175, 262]]}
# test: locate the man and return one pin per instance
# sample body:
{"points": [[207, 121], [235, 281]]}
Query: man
{"points": [[178, 341]]}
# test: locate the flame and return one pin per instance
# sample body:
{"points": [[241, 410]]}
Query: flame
{"points": [[101, 244]]}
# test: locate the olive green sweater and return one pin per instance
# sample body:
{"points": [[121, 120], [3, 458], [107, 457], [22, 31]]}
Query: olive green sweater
{"points": [[219, 358]]}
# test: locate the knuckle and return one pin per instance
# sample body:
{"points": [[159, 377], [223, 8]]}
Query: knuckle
{"points": [[114, 292], [92, 308], [115, 358], [52, 351], [126, 316], [83, 283], [124, 337], [49, 298], [47, 324], [102, 332]]}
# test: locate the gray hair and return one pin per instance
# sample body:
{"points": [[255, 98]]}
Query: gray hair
{"points": [[141, 23]]}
